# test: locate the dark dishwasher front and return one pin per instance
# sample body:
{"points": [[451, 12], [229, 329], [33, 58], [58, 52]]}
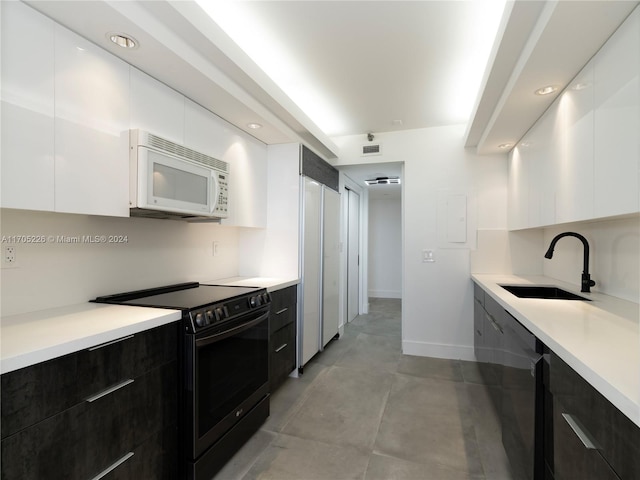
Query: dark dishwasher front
{"points": [[522, 401]]}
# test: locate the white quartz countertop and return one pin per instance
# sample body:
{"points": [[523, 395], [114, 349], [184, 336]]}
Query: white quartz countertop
{"points": [[270, 283], [599, 339], [30, 338]]}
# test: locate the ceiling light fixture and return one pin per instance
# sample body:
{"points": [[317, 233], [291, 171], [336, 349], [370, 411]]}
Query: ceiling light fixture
{"points": [[254, 126], [383, 181], [549, 89], [123, 40], [504, 146]]}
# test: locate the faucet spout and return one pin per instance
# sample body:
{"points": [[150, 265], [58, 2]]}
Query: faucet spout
{"points": [[586, 282]]}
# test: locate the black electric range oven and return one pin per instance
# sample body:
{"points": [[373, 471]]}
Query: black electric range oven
{"points": [[224, 384]]}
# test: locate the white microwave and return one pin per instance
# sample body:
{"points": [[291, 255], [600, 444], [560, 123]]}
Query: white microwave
{"points": [[168, 180]]}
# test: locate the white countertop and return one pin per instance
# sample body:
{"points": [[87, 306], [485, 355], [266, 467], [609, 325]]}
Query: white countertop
{"points": [[30, 338], [270, 283], [599, 339]]}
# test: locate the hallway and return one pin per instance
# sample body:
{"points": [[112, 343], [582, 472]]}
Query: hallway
{"points": [[362, 410]]}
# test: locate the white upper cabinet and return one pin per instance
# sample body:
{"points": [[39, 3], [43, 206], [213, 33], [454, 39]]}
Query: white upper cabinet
{"points": [[27, 108], [204, 131], [247, 159], [156, 108], [581, 159], [518, 190], [91, 128], [617, 121], [541, 150], [572, 160]]}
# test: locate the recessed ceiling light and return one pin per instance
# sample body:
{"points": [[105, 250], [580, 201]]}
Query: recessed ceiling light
{"points": [[254, 126], [581, 86], [546, 90], [123, 40], [505, 145]]}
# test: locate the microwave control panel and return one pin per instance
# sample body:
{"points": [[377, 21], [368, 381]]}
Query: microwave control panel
{"points": [[222, 204]]}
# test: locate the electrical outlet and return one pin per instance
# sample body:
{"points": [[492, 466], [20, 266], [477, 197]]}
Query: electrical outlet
{"points": [[9, 256], [216, 249]]}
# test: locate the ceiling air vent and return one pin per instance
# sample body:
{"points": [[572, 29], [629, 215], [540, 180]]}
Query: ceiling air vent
{"points": [[371, 149]]}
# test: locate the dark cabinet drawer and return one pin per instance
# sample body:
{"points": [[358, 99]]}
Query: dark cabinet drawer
{"points": [[283, 308], [572, 460], [283, 354], [34, 393], [86, 439], [617, 438], [155, 459]]}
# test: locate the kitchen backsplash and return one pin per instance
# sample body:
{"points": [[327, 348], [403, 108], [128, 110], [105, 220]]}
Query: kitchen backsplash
{"points": [[63, 259], [614, 261]]}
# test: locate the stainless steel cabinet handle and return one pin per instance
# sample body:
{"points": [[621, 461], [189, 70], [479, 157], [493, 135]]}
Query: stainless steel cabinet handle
{"points": [[281, 347], [494, 324], [110, 343], [282, 311], [113, 467], [109, 390], [581, 432]]}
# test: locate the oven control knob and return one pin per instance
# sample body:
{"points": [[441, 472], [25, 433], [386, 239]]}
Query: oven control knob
{"points": [[209, 317], [220, 314], [266, 298], [254, 302], [200, 319]]}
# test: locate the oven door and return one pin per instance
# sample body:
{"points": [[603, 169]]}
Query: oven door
{"points": [[227, 373]]}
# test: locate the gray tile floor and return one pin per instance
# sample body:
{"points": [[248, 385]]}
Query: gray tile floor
{"points": [[362, 410]]}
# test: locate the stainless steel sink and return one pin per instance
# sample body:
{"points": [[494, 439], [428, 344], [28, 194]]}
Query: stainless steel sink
{"points": [[542, 291]]}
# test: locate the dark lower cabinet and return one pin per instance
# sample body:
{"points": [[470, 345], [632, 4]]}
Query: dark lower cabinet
{"points": [[129, 425], [593, 440], [282, 335]]}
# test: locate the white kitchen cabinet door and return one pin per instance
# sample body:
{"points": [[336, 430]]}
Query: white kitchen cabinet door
{"points": [[330, 263], [574, 166], [27, 108], [309, 331], [540, 152], [204, 131], [518, 189], [247, 158], [156, 108], [617, 121], [91, 128]]}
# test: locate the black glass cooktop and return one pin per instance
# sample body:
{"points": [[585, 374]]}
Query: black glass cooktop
{"points": [[186, 296]]}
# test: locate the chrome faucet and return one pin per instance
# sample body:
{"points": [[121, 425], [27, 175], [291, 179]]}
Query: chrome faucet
{"points": [[587, 283]]}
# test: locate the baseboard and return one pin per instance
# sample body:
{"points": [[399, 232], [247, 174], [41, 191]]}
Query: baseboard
{"points": [[438, 350], [385, 294]]}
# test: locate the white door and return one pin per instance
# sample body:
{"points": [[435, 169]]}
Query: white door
{"points": [[311, 268], [330, 264], [353, 256]]}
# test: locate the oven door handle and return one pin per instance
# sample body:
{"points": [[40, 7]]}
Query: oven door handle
{"points": [[202, 342]]}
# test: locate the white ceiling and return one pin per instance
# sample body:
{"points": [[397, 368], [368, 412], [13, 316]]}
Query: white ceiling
{"points": [[372, 62]]}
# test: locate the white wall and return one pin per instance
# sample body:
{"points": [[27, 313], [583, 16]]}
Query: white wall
{"points": [[437, 300], [156, 252], [385, 247]]}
